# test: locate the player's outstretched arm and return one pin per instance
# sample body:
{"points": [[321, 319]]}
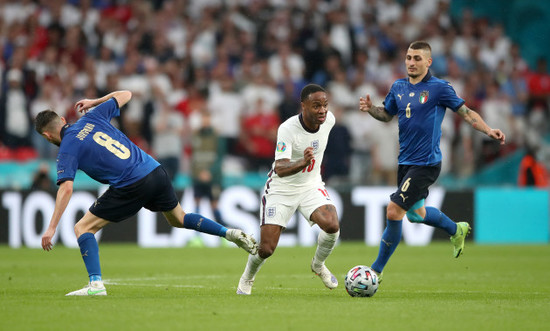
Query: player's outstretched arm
{"points": [[284, 167], [122, 98], [475, 120], [365, 105], [64, 194]]}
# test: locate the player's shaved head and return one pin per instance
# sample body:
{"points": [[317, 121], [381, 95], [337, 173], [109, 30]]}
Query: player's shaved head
{"points": [[310, 89], [47, 120]]}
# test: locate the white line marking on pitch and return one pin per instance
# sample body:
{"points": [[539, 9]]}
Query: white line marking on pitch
{"points": [[151, 285]]}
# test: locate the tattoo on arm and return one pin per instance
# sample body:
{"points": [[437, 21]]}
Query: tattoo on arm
{"points": [[380, 114], [473, 118]]}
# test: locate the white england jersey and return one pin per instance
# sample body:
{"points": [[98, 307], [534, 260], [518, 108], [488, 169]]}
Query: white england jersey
{"points": [[292, 139]]}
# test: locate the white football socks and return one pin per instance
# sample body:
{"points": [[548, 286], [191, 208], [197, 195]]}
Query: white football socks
{"points": [[325, 245], [253, 265]]}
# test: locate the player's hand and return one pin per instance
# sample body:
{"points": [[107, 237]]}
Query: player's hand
{"points": [[308, 155], [497, 135], [365, 104], [84, 105], [47, 244]]}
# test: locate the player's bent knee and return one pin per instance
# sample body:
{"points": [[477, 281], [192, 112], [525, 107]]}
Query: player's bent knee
{"points": [[265, 251], [79, 229], [332, 227], [393, 215], [413, 217]]}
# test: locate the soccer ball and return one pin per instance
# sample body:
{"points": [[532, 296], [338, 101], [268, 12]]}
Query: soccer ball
{"points": [[361, 281]]}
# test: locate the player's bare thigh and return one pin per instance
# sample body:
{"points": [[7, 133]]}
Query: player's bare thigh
{"points": [[327, 218], [89, 223]]}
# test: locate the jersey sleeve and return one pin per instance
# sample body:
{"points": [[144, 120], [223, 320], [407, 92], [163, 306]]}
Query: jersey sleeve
{"points": [[448, 97], [67, 165], [284, 144], [107, 110], [390, 103]]}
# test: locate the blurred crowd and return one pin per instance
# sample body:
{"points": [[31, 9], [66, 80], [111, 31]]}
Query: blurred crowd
{"points": [[235, 68]]}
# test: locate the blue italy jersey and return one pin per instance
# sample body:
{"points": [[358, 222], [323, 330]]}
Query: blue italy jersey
{"points": [[420, 109], [96, 147]]}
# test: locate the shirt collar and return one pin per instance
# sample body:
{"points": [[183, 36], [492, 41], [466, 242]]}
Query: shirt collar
{"points": [[65, 127], [424, 80], [427, 77], [301, 117]]}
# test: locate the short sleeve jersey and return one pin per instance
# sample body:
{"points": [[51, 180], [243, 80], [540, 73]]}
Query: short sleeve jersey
{"points": [[292, 139], [420, 109], [104, 153]]}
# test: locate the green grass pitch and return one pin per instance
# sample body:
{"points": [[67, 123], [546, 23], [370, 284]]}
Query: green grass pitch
{"points": [[424, 288]]}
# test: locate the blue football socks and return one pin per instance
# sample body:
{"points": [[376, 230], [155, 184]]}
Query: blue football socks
{"points": [[434, 217], [390, 239], [200, 223], [90, 254], [218, 216]]}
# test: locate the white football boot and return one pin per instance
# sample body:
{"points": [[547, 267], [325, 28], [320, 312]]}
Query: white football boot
{"points": [[245, 286], [326, 276], [93, 288], [243, 240]]}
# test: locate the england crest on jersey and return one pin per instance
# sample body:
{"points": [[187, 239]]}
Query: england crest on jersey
{"points": [[315, 145], [424, 97]]}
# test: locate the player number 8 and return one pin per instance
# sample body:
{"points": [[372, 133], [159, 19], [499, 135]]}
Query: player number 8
{"points": [[112, 145]]}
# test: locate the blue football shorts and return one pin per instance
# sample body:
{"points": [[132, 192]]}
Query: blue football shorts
{"points": [[154, 192]]}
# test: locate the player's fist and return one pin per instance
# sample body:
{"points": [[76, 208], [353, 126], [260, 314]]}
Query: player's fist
{"points": [[308, 155], [497, 135]]}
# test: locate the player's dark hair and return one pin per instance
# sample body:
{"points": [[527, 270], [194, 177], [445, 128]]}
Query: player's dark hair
{"points": [[309, 89], [44, 119], [421, 45]]}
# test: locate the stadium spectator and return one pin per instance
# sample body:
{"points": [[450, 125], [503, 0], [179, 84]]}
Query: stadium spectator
{"points": [[14, 110], [207, 155], [168, 128], [42, 180], [497, 110], [258, 135], [336, 164], [531, 171], [226, 107], [384, 144]]}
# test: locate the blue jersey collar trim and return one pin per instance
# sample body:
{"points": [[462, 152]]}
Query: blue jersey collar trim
{"points": [[427, 77], [65, 127]]}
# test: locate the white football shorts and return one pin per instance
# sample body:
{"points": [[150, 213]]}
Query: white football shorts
{"points": [[278, 208]]}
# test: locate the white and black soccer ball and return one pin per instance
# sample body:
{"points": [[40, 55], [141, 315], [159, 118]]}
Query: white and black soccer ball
{"points": [[361, 281]]}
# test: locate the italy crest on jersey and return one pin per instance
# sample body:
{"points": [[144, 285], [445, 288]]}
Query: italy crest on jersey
{"points": [[281, 146], [423, 97]]}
